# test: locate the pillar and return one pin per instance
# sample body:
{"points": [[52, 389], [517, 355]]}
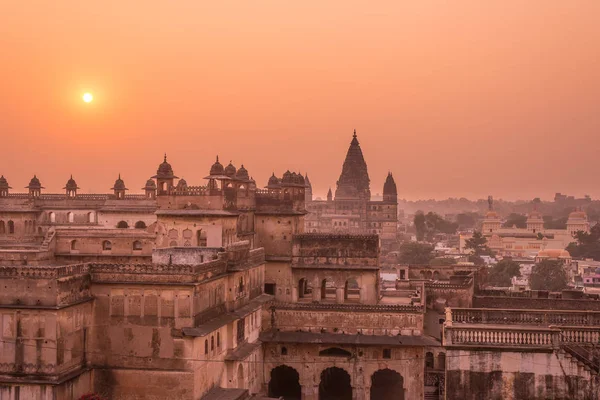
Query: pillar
{"points": [[339, 295]]}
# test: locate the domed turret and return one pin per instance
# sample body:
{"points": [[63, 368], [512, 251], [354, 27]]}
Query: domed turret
{"points": [[390, 192], [329, 195], [273, 182], [230, 170], [242, 174], [119, 188], [165, 170], [4, 186], [287, 178], [35, 187], [307, 182], [182, 184], [150, 189], [578, 221], [164, 176], [71, 187], [217, 168]]}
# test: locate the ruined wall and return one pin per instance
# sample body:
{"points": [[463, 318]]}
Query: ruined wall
{"points": [[80, 243], [516, 375], [274, 233], [71, 389], [367, 280], [280, 274]]}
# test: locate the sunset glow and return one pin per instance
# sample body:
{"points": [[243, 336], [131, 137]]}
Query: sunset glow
{"points": [[87, 97]]}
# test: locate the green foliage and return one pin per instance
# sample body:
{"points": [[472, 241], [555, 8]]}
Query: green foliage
{"points": [[502, 273], [551, 223], [467, 220], [548, 275], [430, 224], [478, 243], [587, 245], [415, 253], [441, 261], [514, 219]]}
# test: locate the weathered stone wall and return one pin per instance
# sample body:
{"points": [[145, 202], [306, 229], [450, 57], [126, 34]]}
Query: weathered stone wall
{"points": [[367, 280], [274, 233], [516, 375], [183, 231], [280, 274], [71, 389]]}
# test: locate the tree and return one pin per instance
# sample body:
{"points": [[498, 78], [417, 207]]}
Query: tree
{"points": [[548, 275], [551, 223], [478, 243], [442, 261], [415, 253], [587, 245], [502, 273], [514, 219], [420, 227]]}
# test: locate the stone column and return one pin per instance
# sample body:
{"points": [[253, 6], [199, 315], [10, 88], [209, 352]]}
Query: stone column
{"points": [[316, 294], [339, 295], [294, 294]]}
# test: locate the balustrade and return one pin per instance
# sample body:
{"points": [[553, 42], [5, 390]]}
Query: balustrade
{"points": [[503, 337], [524, 317]]}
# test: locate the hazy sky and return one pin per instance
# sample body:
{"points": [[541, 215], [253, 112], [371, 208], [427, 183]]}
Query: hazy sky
{"points": [[456, 98]]}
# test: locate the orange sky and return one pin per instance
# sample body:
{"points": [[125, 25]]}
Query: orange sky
{"points": [[456, 98]]}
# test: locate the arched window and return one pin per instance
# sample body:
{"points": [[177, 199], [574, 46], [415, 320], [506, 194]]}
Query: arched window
{"points": [[206, 346], [429, 360], [212, 343], [122, 225], [70, 217], [140, 225], [11, 227], [218, 339], [241, 287], [106, 245], [2, 228], [284, 351], [90, 218], [52, 216], [137, 245], [73, 244]]}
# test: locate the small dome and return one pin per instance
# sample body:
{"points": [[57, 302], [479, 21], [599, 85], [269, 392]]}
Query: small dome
{"points": [[71, 184], [165, 170], [242, 173], [3, 183], [273, 181], [554, 253], [34, 183], [217, 168], [182, 183], [534, 215], [389, 187], [301, 180], [119, 184], [492, 215], [287, 177], [150, 185], [230, 170], [578, 214]]}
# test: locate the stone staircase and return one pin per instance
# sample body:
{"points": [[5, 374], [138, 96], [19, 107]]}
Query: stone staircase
{"points": [[432, 393], [583, 357], [48, 239]]}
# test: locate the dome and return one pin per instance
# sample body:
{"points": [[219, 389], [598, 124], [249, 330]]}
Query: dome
{"points": [[389, 187], [71, 184], [3, 183], [150, 185], [242, 173], [534, 215], [217, 168], [492, 215], [300, 179], [182, 183], [273, 181], [287, 177], [578, 214], [119, 184], [164, 170], [34, 183], [230, 170]]}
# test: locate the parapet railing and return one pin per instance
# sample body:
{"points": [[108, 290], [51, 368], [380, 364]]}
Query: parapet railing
{"points": [[578, 334], [393, 308], [502, 336], [523, 317]]}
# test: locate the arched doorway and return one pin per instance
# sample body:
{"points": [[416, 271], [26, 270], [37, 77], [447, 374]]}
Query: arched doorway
{"points": [[285, 382], [335, 385], [387, 384]]}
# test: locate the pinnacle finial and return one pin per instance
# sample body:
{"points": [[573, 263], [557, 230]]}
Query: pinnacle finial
{"points": [[165, 157], [354, 136], [217, 158]]}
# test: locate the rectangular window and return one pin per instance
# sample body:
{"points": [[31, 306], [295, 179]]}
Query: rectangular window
{"points": [[387, 353], [241, 330], [270, 288]]}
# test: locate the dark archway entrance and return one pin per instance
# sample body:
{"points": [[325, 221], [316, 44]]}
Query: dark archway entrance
{"points": [[387, 385], [335, 385], [285, 382]]}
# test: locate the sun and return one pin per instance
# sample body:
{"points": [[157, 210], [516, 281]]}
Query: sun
{"points": [[87, 97]]}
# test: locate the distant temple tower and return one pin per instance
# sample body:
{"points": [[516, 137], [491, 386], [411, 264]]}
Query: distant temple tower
{"points": [[308, 196], [35, 187], [390, 193], [354, 182], [329, 195], [492, 221]]}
